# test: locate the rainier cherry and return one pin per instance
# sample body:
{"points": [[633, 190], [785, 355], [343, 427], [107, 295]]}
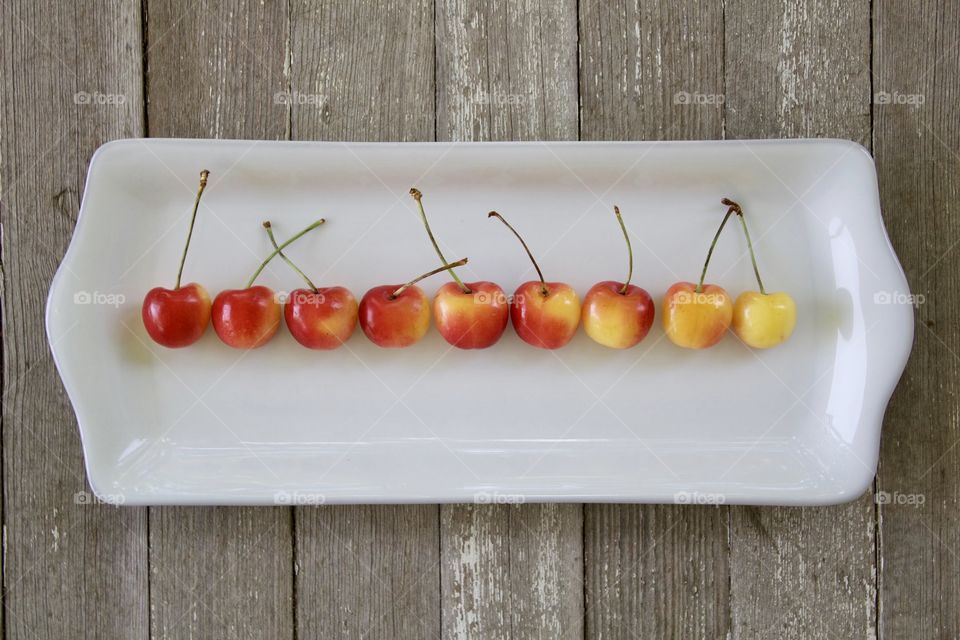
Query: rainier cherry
{"points": [[247, 318], [695, 316], [762, 320], [469, 315], [178, 317], [321, 318], [544, 314], [395, 316], [618, 315]]}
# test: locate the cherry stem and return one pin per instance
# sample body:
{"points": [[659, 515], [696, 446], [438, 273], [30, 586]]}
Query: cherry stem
{"points": [[703, 274], [415, 193], [626, 236], [446, 267], [283, 246], [193, 218], [753, 258], [273, 241], [543, 284]]}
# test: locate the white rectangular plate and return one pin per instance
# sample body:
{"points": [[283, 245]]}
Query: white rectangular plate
{"points": [[798, 424]]}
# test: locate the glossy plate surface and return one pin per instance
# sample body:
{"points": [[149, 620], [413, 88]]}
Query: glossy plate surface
{"points": [[798, 424]]}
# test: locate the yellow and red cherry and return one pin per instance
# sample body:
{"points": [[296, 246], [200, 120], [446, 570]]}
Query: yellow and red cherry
{"points": [[544, 314], [248, 318], [397, 316], [318, 318], [695, 316], [762, 320], [618, 315], [178, 317], [470, 315]]}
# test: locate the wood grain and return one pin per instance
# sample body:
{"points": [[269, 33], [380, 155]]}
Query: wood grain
{"points": [[215, 71], [652, 71], [364, 71], [916, 66], [507, 71], [798, 69], [70, 81]]}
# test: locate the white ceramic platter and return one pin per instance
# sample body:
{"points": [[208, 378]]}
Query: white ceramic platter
{"points": [[798, 424]]}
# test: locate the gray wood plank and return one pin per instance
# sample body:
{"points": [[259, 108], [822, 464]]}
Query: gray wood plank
{"points": [[214, 72], [364, 71], [800, 69], [509, 71], [653, 71], [70, 81], [916, 67]]}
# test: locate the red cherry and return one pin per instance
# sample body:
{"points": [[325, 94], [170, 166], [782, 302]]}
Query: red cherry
{"points": [[474, 320], [176, 318], [322, 319], [246, 318]]}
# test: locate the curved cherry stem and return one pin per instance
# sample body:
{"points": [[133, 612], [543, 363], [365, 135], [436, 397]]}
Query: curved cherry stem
{"points": [[543, 284], [703, 274], [283, 246], [396, 294], [273, 241], [193, 218], [415, 193], [626, 236], [753, 257]]}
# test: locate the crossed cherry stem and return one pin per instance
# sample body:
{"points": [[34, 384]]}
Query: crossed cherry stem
{"points": [[416, 195], [278, 251], [732, 208]]}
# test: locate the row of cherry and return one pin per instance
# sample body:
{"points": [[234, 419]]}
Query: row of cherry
{"points": [[469, 315]]}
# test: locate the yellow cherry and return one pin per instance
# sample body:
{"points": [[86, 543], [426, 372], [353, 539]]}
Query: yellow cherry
{"points": [[764, 320]]}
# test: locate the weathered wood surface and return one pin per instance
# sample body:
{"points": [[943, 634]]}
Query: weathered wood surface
{"points": [[365, 72], [480, 71], [509, 571], [640, 64], [214, 72], [800, 70], [71, 79], [916, 83]]}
